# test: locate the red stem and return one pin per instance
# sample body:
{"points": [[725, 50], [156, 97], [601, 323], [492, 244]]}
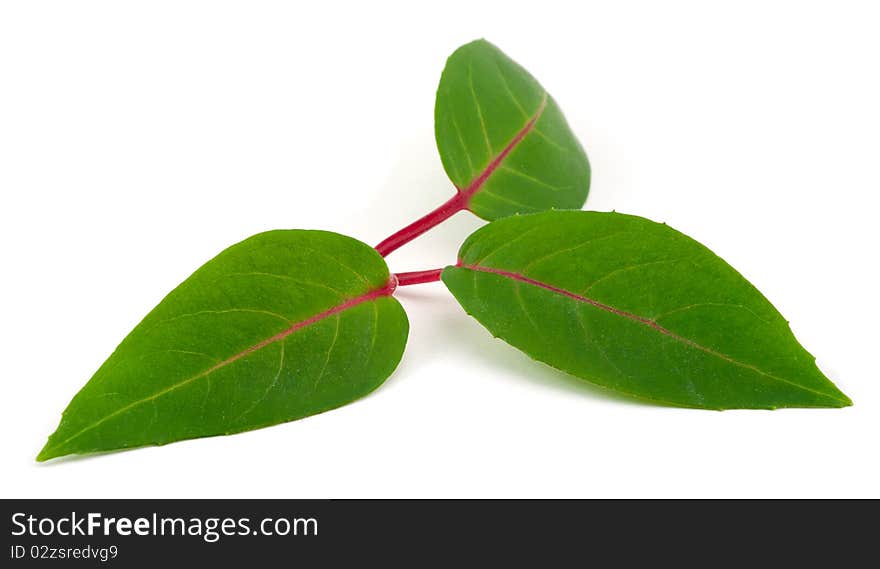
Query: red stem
{"points": [[462, 197], [457, 203], [418, 277]]}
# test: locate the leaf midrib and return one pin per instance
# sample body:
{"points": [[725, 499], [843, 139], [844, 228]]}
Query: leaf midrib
{"points": [[374, 294], [477, 183], [644, 321]]}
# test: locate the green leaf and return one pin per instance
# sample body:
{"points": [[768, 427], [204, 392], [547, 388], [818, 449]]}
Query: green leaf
{"points": [[283, 325], [636, 307], [503, 140]]}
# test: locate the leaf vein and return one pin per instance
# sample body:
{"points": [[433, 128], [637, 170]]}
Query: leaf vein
{"points": [[510, 201], [370, 296], [338, 262], [507, 88], [271, 386], [458, 135], [589, 337], [699, 304], [320, 375], [479, 111], [550, 141], [625, 269], [507, 244], [646, 322], [566, 250], [284, 277], [224, 311], [542, 183]]}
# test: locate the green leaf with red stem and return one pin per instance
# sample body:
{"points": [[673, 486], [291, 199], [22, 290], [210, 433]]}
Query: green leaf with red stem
{"points": [[637, 307], [283, 325], [503, 142]]}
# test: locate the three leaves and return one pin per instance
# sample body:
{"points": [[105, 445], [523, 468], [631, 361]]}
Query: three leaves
{"points": [[287, 324]]}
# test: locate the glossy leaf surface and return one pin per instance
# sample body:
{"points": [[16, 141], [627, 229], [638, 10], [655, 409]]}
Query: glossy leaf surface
{"points": [[637, 307], [503, 140], [283, 325]]}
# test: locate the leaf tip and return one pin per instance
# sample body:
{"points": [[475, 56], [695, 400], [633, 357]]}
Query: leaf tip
{"points": [[834, 399], [840, 398], [46, 454], [51, 450], [844, 399], [476, 44]]}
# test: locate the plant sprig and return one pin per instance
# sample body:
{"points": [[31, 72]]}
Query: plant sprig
{"points": [[287, 324]]}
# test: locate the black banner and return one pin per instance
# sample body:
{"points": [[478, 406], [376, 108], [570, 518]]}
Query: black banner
{"points": [[129, 533]]}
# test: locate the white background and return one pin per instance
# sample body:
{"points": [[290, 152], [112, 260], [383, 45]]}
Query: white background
{"points": [[137, 140]]}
